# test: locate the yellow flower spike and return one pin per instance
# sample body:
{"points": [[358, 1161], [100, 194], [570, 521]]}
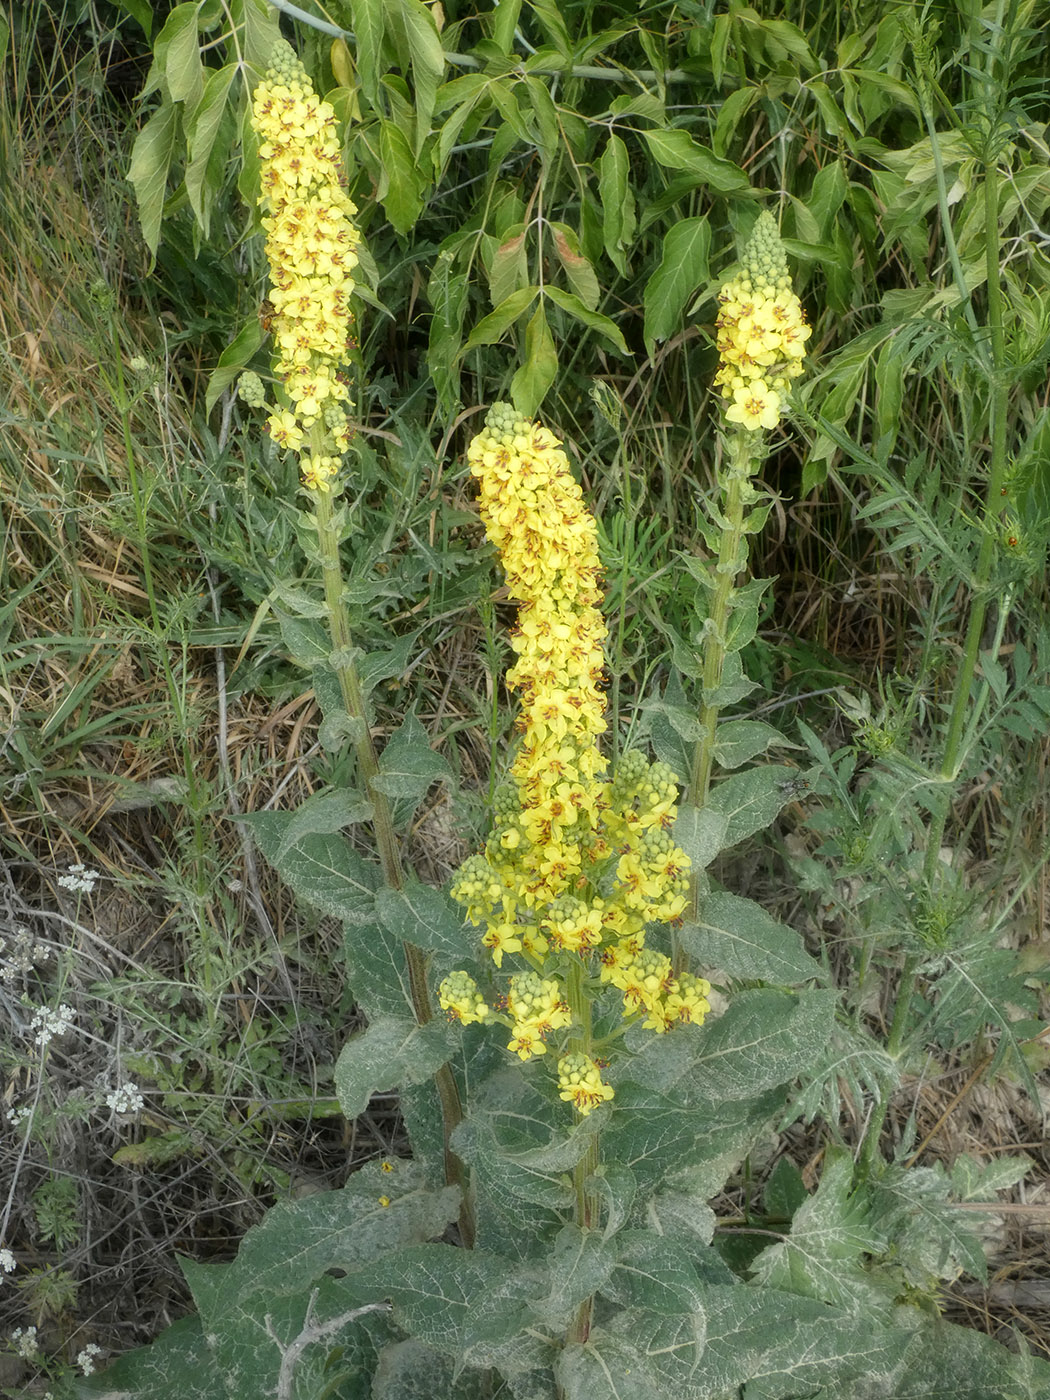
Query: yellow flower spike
{"points": [[311, 247], [761, 332]]}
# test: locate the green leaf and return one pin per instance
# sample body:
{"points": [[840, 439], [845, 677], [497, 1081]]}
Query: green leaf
{"points": [[428, 919], [151, 159], [683, 268], [444, 1295], [324, 871], [203, 179], [580, 272], [179, 1363], [496, 324], [764, 1039], [233, 360], [139, 10], [779, 1346], [447, 293], [532, 380], [654, 1272], [750, 800], [737, 936], [428, 63], [823, 1257], [701, 833], [399, 184], [676, 150], [593, 320], [408, 765], [368, 27], [392, 1051], [580, 1264], [637, 1355], [739, 740], [504, 21], [411, 1370], [617, 1186], [177, 50], [509, 271], [322, 814], [617, 198]]}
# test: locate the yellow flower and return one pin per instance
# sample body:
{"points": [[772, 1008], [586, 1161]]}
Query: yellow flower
{"points": [[761, 332], [311, 246], [580, 1083], [458, 995]]}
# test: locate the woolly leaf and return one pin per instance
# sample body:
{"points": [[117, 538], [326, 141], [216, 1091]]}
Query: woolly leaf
{"points": [[580, 1264], [390, 1052], [637, 1356], [654, 1273], [324, 871], [179, 1363], [737, 936], [428, 918], [823, 1256]]}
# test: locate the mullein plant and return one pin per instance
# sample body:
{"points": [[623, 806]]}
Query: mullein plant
{"points": [[761, 339], [312, 247], [580, 861]]}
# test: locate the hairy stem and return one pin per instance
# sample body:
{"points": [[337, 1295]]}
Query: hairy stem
{"points": [[383, 825]]}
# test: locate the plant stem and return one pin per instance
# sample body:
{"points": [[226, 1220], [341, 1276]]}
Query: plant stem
{"points": [[902, 1008], [383, 825], [588, 1204], [735, 484]]}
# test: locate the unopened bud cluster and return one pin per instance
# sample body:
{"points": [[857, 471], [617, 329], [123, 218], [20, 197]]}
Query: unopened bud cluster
{"points": [[762, 332]]}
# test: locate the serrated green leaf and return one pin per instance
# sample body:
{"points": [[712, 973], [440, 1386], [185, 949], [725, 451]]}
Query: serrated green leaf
{"points": [[151, 159], [737, 936], [495, 325], [531, 381], [399, 189], [324, 871], [617, 198], [202, 131], [390, 1052], [426, 918], [593, 320], [683, 268], [676, 150]]}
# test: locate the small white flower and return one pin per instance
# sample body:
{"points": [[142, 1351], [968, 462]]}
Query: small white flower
{"points": [[48, 1025], [86, 1358], [24, 1341], [17, 1116], [125, 1098], [8, 1262], [81, 879]]}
